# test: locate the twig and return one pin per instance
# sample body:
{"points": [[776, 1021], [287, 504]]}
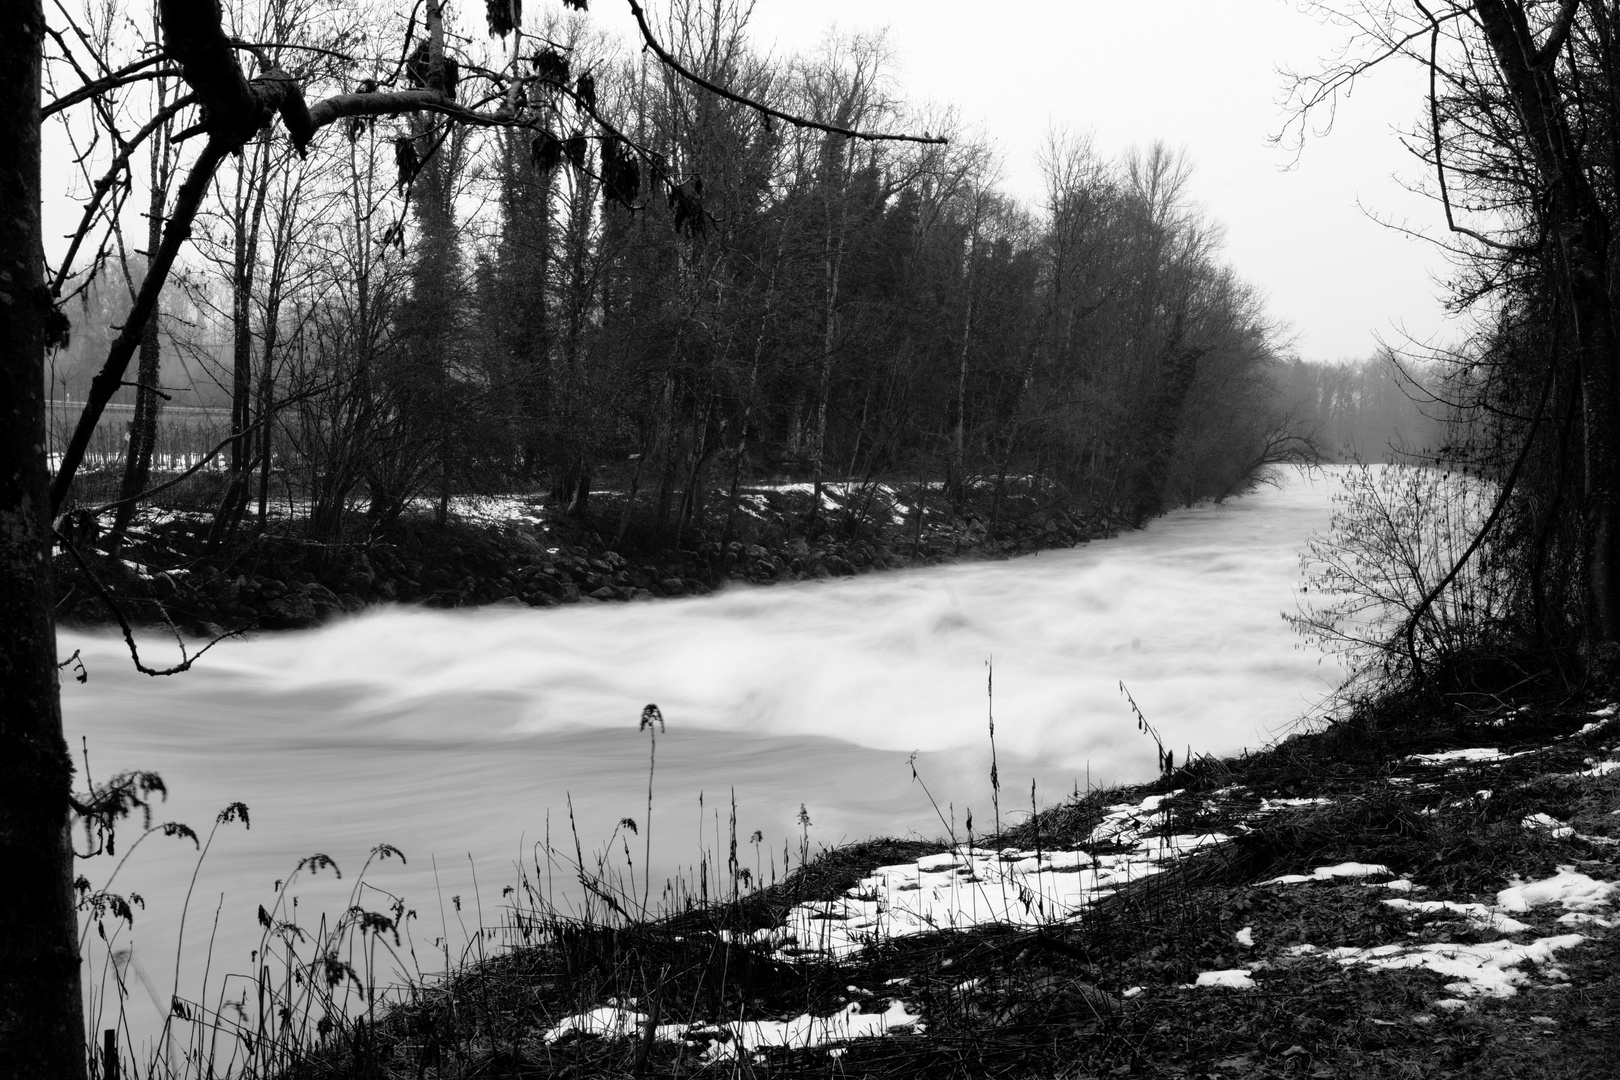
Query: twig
{"points": [[669, 61], [187, 659]]}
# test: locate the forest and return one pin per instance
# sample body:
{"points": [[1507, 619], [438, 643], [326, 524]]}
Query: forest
{"points": [[621, 278]]}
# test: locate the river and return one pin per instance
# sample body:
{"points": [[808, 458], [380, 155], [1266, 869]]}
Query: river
{"points": [[457, 736]]}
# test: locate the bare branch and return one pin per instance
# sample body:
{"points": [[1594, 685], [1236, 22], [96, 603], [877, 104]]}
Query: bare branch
{"points": [[187, 659], [123, 77], [669, 61], [1557, 35], [109, 180]]}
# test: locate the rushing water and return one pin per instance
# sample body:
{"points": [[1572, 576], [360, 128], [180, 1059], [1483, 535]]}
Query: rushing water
{"points": [[457, 736]]}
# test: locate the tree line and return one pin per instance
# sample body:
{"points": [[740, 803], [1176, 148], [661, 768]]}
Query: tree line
{"points": [[696, 295], [1376, 409]]}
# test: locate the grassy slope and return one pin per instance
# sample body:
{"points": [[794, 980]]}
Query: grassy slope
{"points": [[1051, 1001]]}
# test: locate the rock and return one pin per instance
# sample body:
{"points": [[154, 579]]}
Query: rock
{"points": [[293, 611], [163, 585], [327, 603], [570, 594], [385, 591], [351, 603], [604, 592], [797, 549], [672, 587]]}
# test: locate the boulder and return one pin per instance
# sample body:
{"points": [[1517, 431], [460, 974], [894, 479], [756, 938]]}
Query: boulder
{"points": [[327, 603], [292, 611]]}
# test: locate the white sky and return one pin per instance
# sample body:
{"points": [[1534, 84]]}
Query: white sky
{"points": [[1200, 75]]}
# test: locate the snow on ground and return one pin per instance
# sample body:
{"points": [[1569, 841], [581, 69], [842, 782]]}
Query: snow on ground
{"points": [[1547, 823], [1330, 873], [1483, 916], [971, 886], [491, 510], [1234, 979], [1492, 969], [725, 1040], [1571, 890], [1487, 754]]}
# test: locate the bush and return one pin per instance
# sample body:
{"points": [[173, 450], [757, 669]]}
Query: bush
{"points": [[1396, 532]]}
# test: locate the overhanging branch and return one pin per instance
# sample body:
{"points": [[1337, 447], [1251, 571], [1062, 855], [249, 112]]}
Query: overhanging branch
{"points": [[668, 60]]}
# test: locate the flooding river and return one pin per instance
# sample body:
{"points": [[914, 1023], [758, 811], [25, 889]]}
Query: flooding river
{"points": [[459, 737]]}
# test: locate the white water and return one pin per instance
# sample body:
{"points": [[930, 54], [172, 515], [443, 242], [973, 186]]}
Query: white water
{"points": [[453, 734]]}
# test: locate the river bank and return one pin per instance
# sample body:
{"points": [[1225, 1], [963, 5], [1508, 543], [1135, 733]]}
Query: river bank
{"points": [[1420, 890], [518, 550]]}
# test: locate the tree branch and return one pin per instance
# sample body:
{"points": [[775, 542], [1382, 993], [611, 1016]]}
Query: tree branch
{"points": [[106, 382], [1557, 35], [668, 60], [186, 658], [123, 77], [107, 182]]}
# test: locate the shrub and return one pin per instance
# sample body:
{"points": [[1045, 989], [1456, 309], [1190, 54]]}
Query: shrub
{"points": [[1397, 531]]}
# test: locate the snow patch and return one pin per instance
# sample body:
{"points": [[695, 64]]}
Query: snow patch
{"points": [[1572, 890], [1492, 969], [1481, 915], [1491, 754], [1547, 823], [972, 886], [1330, 873], [1231, 979], [726, 1040]]}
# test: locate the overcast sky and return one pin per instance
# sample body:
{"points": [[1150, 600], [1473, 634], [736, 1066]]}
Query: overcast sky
{"points": [[1200, 75]]}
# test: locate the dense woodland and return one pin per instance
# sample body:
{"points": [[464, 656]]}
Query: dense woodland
{"points": [[646, 285]]}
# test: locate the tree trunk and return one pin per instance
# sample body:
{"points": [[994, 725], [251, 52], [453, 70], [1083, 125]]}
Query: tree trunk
{"points": [[1575, 217], [248, 217], [41, 1031], [143, 429]]}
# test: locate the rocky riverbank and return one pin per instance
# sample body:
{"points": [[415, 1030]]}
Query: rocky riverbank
{"points": [[517, 551]]}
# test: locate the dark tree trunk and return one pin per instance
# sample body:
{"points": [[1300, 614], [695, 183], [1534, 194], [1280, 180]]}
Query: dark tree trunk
{"points": [[41, 1033], [234, 503], [1574, 216], [143, 429]]}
